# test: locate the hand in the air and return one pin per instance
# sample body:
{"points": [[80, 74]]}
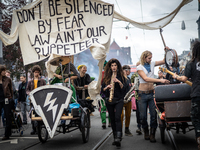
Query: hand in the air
{"points": [[167, 48]]}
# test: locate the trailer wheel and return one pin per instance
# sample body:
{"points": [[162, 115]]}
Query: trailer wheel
{"points": [[85, 126], [42, 132]]}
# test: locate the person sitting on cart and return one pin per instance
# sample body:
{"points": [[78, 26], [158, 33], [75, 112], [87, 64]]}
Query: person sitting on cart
{"points": [[192, 70], [36, 82], [65, 69], [82, 81]]}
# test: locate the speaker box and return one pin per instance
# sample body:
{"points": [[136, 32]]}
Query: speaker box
{"points": [[172, 92]]}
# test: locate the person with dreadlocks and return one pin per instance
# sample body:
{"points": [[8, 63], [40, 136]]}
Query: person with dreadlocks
{"points": [[192, 70], [114, 88]]}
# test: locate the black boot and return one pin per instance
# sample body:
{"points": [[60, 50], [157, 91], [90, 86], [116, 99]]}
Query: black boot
{"points": [[152, 135], [114, 136], [146, 133], [118, 139]]}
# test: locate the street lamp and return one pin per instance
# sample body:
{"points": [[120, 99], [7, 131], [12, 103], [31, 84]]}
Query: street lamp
{"points": [[1, 48]]}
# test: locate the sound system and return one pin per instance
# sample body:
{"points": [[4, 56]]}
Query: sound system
{"points": [[172, 92]]}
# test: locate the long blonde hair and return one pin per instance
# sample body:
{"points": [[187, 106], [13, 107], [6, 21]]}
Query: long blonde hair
{"points": [[143, 57]]}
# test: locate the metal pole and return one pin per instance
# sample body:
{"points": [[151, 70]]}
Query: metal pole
{"points": [[1, 47]]}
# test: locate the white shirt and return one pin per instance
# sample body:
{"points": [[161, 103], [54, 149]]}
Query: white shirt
{"points": [[148, 74]]}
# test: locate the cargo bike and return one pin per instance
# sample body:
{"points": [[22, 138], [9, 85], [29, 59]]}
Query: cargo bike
{"points": [[173, 106], [52, 110]]}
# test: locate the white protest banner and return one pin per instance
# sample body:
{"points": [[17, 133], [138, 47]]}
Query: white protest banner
{"points": [[61, 27]]}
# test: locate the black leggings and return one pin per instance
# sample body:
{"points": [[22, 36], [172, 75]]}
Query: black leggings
{"points": [[115, 111]]}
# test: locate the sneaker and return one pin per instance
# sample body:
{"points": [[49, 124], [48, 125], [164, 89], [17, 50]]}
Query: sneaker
{"points": [[104, 126], [139, 131], [128, 133]]}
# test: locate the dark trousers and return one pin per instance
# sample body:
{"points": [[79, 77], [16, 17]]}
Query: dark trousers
{"points": [[8, 116], [115, 111], [138, 114], [195, 115]]}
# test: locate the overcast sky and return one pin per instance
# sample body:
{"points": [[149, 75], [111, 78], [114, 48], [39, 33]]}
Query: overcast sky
{"points": [[151, 10]]}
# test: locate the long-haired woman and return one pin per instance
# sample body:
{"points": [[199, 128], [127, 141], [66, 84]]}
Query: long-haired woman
{"points": [[114, 82]]}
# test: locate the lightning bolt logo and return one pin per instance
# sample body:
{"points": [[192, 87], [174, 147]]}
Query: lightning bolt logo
{"points": [[51, 102]]}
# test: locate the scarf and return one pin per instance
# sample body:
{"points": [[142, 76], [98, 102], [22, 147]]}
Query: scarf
{"points": [[147, 67]]}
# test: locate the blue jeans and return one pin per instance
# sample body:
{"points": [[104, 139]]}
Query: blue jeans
{"points": [[146, 100]]}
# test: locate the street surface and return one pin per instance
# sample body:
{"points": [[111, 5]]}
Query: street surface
{"points": [[73, 140]]}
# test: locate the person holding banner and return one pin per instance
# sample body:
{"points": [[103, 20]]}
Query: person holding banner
{"points": [[36, 82], [114, 88], [6, 100], [146, 92], [192, 70]]}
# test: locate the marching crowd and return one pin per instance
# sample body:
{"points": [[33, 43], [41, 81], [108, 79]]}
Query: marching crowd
{"points": [[115, 85]]}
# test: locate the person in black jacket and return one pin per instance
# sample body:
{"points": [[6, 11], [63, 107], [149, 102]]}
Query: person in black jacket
{"points": [[114, 85], [6, 100], [22, 97], [192, 70], [82, 81]]}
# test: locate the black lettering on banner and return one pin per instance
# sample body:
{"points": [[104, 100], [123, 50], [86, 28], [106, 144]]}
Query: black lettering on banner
{"points": [[74, 6], [93, 7], [19, 17], [97, 33], [89, 32], [25, 15], [47, 53], [68, 36], [40, 14], [59, 22], [58, 38], [49, 24], [66, 22], [99, 5], [37, 49], [57, 7], [36, 40], [52, 46], [88, 43], [31, 14], [110, 10], [80, 17], [51, 8], [79, 30], [85, 6], [68, 11], [59, 47], [101, 29], [78, 7], [45, 41], [74, 44], [74, 20], [66, 48], [104, 10], [41, 27], [95, 39], [81, 45]]}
